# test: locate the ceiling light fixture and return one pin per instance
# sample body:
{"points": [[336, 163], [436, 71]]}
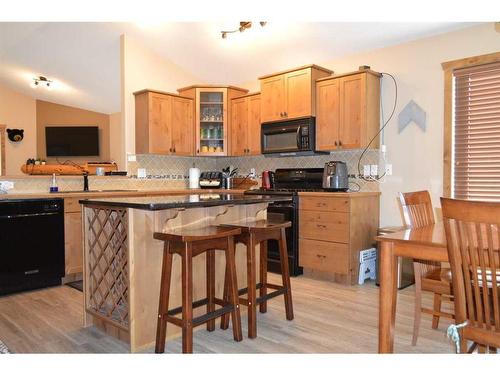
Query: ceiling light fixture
{"points": [[41, 81], [243, 26]]}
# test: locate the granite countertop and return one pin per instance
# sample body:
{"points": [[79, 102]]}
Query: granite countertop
{"points": [[165, 202], [110, 193]]}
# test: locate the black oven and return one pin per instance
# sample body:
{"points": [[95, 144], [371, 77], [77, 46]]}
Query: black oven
{"points": [[288, 136]]}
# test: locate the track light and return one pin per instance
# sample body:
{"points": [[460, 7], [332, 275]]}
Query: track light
{"points": [[244, 25]]}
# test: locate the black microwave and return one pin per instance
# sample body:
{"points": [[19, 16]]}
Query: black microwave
{"points": [[288, 137]]}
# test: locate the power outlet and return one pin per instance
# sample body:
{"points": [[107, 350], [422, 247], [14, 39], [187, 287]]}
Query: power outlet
{"points": [[374, 170], [366, 170], [6, 185], [141, 172], [388, 169]]}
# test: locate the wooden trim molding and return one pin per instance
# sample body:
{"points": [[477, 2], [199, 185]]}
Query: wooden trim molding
{"points": [[2, 150], [448, 68]]}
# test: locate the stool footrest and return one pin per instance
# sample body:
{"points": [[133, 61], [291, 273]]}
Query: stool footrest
{"points": [[268, 296], [278, 290], [199, 303], [212, 315]]}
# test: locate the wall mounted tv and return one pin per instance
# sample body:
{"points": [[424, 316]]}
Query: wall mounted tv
{"points": [[72, 140]]}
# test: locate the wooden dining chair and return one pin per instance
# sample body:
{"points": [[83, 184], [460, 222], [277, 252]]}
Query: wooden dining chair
{"points": [[429, 276], [473, 241]]}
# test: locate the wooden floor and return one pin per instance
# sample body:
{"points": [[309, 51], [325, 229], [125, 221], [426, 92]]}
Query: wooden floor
{"points": [[329, 318]]}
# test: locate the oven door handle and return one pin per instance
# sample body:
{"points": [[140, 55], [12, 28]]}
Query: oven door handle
{"points": [[298, 138]]}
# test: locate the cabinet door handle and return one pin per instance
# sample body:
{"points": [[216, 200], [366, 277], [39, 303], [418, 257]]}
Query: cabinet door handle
{"points": [[174, 150], [335, 143], [321, 256], [197, 151], [170, 149], [321, 226], [284, 113], [281, 114], [340, 143]]}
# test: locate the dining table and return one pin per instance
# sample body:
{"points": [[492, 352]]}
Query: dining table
{"points": [[423, 243]]}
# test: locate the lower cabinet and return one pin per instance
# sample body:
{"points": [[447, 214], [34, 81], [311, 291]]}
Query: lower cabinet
{"points": [[73, 253], [73, 243], [333, 229]]}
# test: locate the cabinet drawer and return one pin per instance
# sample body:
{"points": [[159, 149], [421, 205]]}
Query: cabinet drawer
{"points": [[324, 226], [324, 204], [324, 256], [72, 205]]}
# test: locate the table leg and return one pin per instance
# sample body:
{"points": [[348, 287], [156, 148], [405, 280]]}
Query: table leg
{"points": [[388, 297]]}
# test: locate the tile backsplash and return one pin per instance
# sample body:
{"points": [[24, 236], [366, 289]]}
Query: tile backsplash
{"points": [[171, 172]]}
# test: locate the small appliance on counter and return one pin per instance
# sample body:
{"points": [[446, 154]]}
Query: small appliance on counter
{"points": [[211, 180], [267, 180], [335, 176]]}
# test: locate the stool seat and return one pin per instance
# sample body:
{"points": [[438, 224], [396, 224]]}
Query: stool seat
{"points": [[198, 234], [249, 225]]}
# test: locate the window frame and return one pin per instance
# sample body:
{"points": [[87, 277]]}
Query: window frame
{"points": [[448, 68]]}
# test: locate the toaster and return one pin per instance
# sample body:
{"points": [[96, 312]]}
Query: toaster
{"points": [[211, 180], [335, 176]]}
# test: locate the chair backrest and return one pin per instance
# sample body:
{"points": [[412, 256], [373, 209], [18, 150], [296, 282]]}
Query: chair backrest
{"points": [[417, 208], [473, 240]]}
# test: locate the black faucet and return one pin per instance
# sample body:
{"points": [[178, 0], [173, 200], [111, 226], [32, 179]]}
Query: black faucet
{"points": [[85, 181]]}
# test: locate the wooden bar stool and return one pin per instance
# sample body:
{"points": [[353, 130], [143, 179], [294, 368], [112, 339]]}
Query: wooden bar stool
{"points": [[254, 233], [188, 244]]}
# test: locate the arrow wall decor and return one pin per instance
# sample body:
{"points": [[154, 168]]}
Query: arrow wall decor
{"points": [[412, 112]]}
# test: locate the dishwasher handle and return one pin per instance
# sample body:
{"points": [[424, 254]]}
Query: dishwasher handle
{"points": [[13, 216]]}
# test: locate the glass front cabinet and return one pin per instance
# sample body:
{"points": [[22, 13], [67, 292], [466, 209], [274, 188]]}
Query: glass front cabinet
{"points": [[212, 117]]}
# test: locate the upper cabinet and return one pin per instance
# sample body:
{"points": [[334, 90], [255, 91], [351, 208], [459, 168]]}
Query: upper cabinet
{"points": [[290, 94], [212, 117], [163, 123], [347, 111], [245, 125]]}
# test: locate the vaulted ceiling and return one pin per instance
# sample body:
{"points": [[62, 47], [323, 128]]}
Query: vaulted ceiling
{"points": [[84, 58]]}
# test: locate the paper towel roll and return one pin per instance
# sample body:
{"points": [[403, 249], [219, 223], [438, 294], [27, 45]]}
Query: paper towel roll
{"points": [[194, 178]]}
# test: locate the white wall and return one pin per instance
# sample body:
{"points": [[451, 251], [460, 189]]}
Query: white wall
{"points": [[141, 68], [417, 157]]}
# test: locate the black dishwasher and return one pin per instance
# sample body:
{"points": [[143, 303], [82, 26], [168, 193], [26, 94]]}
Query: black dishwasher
{"points": [[31, 244]]}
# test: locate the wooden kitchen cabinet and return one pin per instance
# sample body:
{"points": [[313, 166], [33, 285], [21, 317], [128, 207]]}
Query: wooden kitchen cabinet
{"points": [[333, 229], [245, 125], [163, 123], [73, 253], [290, 94], [212, 117], [347, 111]]}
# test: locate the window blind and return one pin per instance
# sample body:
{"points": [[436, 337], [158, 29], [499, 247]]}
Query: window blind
{"points": [[476, 149]]}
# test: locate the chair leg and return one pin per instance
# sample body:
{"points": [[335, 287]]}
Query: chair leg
{"points": [[187, 300], [417, 316], [224, 320], [285, 275], [437, 310], [263, 275], [210, 287], [233, 289], [166, 272], [251, 282]]}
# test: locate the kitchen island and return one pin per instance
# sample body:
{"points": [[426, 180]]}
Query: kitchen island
{"points": [[122, 261]]}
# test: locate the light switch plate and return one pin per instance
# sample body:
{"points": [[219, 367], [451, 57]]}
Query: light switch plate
{"points": [[131, 158], [388, 169]]}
